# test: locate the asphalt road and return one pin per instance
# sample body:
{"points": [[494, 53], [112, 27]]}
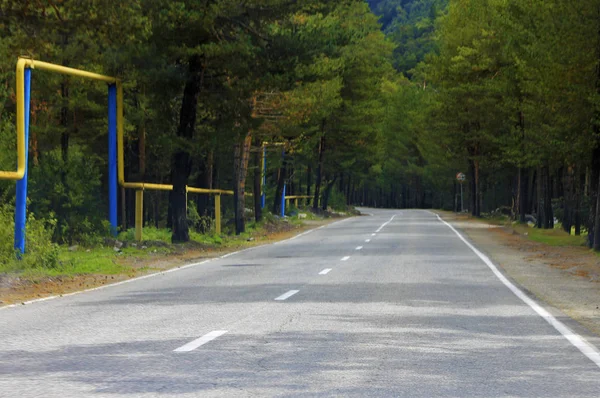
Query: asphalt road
{"points": [[367, 307]]}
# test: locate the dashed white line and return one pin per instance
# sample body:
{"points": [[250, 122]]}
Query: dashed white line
{"points": [[287, 295], [373, 234], [586, 348], [325, 271], [345, 258], [359, 248], [367, 241], [192, 345], [386, 223]]}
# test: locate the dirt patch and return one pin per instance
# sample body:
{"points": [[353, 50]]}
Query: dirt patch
{"points": [[14, 289], [566, 277]]}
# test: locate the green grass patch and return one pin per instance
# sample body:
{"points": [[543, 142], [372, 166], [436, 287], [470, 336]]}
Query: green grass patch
{"points": [[551, 237]]}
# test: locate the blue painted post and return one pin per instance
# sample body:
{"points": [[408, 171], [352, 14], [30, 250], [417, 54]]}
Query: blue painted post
{"points": [[21, 197], [283, 201], [263, 198], [112, 158]]}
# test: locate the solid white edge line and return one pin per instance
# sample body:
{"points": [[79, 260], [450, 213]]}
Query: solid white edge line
{"points": [[579, 342], [359, 248], [325, 271], [286, 295], [162, 272], [345, 258], [192, 345]]}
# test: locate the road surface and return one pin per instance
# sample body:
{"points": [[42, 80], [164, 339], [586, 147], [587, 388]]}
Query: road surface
{"points": [[389, 305]]}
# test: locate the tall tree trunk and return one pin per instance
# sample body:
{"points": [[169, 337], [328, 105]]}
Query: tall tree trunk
{"points": [[473, 186], [240, 173], [308, 183], [181, 161], [257, 181], [580, 180], [319, 173], [548, 211], [204, 180], [596, 241], [540, 222], [522, 195], [327, 194], [568, 194]]}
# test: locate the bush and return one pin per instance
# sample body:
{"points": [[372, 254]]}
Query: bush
{"points": [[337, 200], [196, 222], [70, 192], [40, 251]]}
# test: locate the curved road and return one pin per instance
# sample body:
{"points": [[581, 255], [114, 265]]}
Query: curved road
{"points": [[389, 305]]}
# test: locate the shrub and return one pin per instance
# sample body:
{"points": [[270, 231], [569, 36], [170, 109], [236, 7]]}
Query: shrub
{"points": [[70, 191], [40, 251]]}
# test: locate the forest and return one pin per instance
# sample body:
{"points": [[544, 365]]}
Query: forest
{"points": [[374, 103]]}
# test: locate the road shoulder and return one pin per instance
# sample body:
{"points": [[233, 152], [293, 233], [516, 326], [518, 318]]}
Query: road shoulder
{"points": [[566, 278]]}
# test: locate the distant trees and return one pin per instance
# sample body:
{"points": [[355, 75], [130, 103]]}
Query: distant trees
{"points": [[379, 106]]}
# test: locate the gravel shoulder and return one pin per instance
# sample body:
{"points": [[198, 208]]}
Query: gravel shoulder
{"points": [[567, 278]]}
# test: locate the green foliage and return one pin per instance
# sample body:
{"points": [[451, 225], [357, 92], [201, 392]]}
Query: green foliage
{"points": [[337, 200], [202, 224], [41, 251], [410, 24], [70, 191]]}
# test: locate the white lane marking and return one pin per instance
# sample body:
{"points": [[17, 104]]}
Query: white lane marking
{"points": [[287, 295], [345, 258], [367, 241], [325, 271], [386, 223], [359, 248], [373, 234], [579, 342], [192, 345], [139, 278]]}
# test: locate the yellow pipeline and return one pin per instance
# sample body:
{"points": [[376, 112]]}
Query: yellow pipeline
{"points": [[139, 214], [147, 186], [218, 214], [23, 63], [21, 155], [67, 71]]}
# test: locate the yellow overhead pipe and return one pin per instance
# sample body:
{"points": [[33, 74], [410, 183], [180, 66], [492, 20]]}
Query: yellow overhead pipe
{"points": [[23, 63], [21, 155], [68, 71]]}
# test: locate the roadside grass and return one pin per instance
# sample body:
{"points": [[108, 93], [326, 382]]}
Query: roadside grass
{"points": [[550, 237]]}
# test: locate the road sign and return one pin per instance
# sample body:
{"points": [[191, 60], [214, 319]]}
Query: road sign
{"points": [[461, 177]]}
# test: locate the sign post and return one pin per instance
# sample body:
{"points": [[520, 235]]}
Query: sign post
{"points": [[460, 177]]}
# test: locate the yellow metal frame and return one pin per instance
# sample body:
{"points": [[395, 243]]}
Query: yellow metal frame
{"points": [[24, 63], [295, 199]]}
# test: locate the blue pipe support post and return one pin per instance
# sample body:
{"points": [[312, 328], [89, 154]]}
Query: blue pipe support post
{"points": [[112, 158], [21, 196], [283, 201], [263, 197]]}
